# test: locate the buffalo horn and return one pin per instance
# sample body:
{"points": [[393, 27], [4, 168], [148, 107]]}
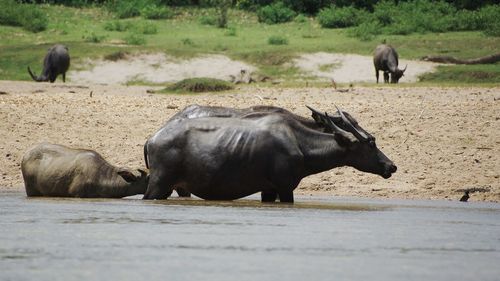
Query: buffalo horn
{"points": [[351, 127], [32, 75], [334, 127], [405, 68]]}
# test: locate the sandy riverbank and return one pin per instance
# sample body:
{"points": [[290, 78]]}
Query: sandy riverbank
{"points": [[443, 140]]}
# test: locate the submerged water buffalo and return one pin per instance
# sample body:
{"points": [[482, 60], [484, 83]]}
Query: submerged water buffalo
{"points": [[56, 170], [385, 58], [55, 62], [229, 158]]}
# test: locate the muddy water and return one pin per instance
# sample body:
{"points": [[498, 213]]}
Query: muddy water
{"points": [[321, 239]]}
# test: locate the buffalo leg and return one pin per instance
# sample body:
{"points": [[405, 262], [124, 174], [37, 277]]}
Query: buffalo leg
{"points": [[268, 196], [386, 77], [286, 196], [182, 192], [159, 187], [376, 75], [64, 77]]}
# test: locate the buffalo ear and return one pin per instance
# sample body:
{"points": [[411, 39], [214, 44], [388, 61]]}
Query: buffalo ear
{"points": [[127, 176]]}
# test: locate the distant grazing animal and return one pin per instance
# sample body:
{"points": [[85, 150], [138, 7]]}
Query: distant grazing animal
{"points": [[56, 170], [55, 62], [385, 58], [229, 158]]}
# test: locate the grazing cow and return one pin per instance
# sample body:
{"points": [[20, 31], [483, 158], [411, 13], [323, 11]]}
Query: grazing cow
{"points": [[385, 58], [229, 158], [56, 170], [55, 62]]}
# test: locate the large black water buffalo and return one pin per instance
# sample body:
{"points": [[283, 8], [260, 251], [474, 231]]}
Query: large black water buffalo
{"points": [[55, 62], [385, 58], [229, 158], [56, 170]]}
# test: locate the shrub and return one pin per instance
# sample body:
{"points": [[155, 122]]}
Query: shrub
{"points": [[147, 28], [493, 29], [187, 42], [277, 40], [300, 18], [231, 31], [135, 39], [198, 85], [155, 12], [129, 8], [30, 17], [34, 19], [94, 38], [207, 20], [275, 13], [117, 25], [366, 31], [335, 17]]}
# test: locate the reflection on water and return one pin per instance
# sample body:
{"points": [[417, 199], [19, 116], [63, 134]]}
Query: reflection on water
{"points": [[322, 239]]}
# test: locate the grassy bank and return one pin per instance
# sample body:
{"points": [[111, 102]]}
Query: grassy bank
{"points": [[94, 33]]}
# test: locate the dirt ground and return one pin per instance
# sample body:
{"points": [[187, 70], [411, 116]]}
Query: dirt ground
{"points": [[160, 68], [443, 140]]}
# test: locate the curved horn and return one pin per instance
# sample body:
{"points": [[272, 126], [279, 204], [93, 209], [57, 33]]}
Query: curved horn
{"points": [[351, 127], [405, 68], [334, 127], [32, 75], [314, 111]]}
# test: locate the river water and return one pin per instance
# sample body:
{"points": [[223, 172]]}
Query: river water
{"points": [[314, 239]]}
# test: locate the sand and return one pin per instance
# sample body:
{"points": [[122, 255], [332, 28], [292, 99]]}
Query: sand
{"points": [[443, 140]]}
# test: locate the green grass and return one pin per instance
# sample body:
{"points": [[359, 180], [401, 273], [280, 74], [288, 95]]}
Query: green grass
{"points": [[464, 74], [183, 36]]}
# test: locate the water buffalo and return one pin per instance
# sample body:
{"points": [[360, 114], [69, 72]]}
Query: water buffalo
{"points": [[199, 111], [229, 158], [55, 62], [56, 170], [385, 58]]}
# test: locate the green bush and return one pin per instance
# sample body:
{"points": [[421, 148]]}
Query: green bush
{"points": [[231, 31], [334, 17], [117, 25], [155, 12], [415, 16], [94, 38], [29, 16], [198, 85], [366, 31], [147, 28], [187, 42], [300, 18], [208, 20], [130, 8], [275, 13], [277, 40], [135, 39]]}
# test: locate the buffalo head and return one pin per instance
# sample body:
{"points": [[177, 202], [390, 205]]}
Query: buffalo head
{"points": [[362, 152]]}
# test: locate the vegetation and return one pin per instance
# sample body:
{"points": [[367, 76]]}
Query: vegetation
{"points": [[277, 40], [94, 32], [30, 17], [275, 13], [199, 85]]}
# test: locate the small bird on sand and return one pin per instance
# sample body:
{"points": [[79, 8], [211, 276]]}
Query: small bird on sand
{"points": [[465, 197]]}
